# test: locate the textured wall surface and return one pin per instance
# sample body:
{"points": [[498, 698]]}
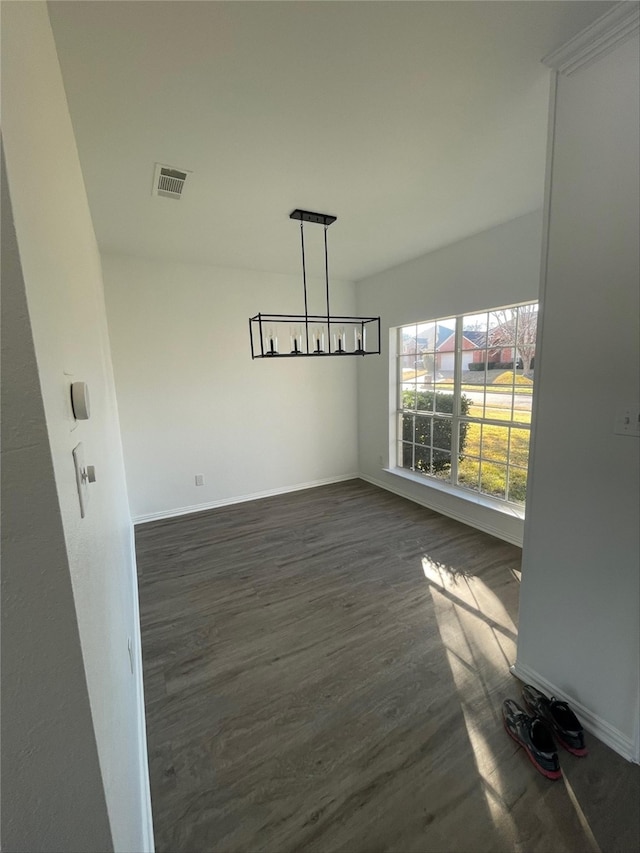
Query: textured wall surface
{"points": [[580, 606], [497, 267], [192, 401], [52, 794], [63, 284]]}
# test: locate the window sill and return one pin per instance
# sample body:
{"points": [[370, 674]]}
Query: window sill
{"points": [[457, 492]]}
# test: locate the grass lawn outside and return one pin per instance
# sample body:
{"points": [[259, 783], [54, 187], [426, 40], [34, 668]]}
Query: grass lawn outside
{"points": [[487, 449], [501, 413], [484, 464], [409, 375], [495, 389]]}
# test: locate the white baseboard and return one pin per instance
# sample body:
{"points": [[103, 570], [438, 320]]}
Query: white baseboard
{"points": [[604, 731], [426, 501], [146, 816], [255, 496]]}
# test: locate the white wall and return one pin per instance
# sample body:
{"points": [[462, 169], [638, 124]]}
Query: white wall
{"points": [[193, 402], [580, 603], [497, 267], [62, 276], [52, 793]]}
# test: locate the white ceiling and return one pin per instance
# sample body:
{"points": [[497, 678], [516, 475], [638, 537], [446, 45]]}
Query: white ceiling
{"points": [[415, 123]]}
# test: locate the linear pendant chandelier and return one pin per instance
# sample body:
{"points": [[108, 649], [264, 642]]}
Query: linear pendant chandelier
{"points": [[297, 335]]}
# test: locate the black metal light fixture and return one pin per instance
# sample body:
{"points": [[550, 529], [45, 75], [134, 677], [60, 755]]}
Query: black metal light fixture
{"points": [[297, 335]]}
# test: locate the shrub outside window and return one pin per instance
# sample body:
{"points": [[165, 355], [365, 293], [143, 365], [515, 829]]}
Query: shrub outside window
{"points": [[465, 387]]}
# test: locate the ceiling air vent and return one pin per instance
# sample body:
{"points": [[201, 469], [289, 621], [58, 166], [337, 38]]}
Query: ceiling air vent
{"points": [[169, 182]]}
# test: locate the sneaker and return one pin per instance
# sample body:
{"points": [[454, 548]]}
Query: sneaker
{"points": [[534, 736], [564, 723]]}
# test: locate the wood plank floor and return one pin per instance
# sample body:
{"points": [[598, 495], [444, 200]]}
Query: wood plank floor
{"points": [[324, 671]]}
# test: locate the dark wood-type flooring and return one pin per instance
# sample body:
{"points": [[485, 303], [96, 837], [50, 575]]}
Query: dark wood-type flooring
{"points": [[324, 671]]}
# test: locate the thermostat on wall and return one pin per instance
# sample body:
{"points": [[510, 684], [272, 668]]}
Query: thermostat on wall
{"points": [[80, 400]]}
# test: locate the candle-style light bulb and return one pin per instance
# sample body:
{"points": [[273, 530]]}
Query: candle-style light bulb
{"points": [[296, 340], [272, 341]]}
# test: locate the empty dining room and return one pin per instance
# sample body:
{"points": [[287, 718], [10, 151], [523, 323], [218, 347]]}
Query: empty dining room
{"points": [[320, 445]]}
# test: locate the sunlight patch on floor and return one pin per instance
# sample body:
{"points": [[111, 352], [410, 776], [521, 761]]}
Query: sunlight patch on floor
{"points": [[469, 589], [467, 639], [477, 632]]}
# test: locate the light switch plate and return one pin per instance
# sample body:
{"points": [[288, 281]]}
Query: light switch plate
{"points": [[627, 421], [81, 482]]}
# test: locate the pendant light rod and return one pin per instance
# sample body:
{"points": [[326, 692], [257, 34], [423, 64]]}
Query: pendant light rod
{"points": [[326, 276], [318, 219], [304, 285]]}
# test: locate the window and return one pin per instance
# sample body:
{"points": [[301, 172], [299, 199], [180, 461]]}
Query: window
{"points": [[465, 387]]}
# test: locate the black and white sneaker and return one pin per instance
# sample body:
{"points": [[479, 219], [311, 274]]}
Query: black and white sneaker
{"points": [[534, 736], [566, 727]]}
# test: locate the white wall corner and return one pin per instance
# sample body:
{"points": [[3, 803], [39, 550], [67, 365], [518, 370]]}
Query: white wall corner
{"points": [[600, 37], [592, 723]]}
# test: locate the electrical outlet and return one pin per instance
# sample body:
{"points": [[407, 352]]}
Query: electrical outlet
{"points": [[199, 479]]}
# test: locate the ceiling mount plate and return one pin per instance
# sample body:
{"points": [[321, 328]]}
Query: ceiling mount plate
{"points": [[308, 216]]}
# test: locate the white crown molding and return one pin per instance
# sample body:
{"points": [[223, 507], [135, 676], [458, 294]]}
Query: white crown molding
{"points": [[598, 38]]}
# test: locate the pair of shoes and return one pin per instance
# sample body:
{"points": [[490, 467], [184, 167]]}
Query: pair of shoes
{"points": [[565, 725], [534, 735], [535, 731]]}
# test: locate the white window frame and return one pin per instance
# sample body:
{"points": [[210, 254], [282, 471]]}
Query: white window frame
{"points": [[452, 485]]}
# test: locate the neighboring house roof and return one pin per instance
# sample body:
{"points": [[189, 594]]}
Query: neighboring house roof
{"points": [[426, 342], [443, 335], [470, 340], [475, 337]]}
